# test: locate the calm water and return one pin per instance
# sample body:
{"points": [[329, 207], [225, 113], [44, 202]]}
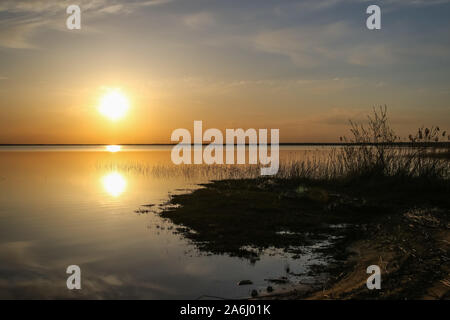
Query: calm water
{"points": [[62, 206]]}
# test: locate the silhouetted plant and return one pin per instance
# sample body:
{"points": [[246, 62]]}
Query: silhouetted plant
{"points": [[373, 151]]}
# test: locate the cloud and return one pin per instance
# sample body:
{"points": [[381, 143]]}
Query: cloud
{"points": [[311, 6], [17, 33], [310, 46], [48, 7], [325, 4], [152, 3], [56, 6], [344, 43], [199, 20], [415, 2], [24, 18], [116, 8]]}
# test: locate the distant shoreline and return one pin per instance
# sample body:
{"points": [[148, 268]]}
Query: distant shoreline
{"points": [[416, 144]]}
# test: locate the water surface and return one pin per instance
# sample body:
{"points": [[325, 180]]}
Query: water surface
{"points": [[62, 206]]}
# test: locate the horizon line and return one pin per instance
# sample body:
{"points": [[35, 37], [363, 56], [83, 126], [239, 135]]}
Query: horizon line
{"points": [[224, 144]]}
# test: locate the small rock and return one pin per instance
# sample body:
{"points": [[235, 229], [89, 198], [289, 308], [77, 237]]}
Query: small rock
{"points": [[269, 289], [301, 190], [280, 280], [254, 293], [318, 195], [244, 282]]}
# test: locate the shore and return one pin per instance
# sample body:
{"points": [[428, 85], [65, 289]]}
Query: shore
{"points": [[401, 226]]}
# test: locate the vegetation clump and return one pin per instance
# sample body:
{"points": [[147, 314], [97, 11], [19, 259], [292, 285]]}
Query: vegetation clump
{"points": [[374, 198]]}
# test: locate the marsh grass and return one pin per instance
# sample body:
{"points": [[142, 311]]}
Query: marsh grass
{"points": [[198, 171], [373, 151]]}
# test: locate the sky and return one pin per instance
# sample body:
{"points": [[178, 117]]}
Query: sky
{"points": [[303, 67]]}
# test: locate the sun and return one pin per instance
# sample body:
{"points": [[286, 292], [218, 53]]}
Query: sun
{"points": [[114, 105]]}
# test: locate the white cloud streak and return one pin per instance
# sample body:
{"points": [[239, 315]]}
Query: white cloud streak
{"points": [[26, 17]]}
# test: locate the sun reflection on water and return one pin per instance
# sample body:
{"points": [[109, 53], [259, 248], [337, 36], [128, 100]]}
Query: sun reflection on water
{"points": [[113, 148], [114, 183]]}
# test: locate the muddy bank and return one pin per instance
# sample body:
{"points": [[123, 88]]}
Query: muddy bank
{"points": [[402, 227], [412, 251]]}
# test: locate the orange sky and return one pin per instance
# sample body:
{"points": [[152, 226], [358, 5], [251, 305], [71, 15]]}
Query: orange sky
{"points": [[301, 68]]}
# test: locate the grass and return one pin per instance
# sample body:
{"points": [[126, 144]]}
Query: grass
{"points": [[373, 151]]}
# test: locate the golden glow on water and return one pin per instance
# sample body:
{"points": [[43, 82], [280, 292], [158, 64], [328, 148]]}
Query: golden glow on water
{"points": [[113, 148], [80, 204], [114, 184]]}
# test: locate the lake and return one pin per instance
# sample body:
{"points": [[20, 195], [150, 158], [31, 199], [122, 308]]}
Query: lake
{"points": [[76, 205]]}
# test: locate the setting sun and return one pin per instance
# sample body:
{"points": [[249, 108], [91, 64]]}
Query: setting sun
{"points": [[114, 105]]}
